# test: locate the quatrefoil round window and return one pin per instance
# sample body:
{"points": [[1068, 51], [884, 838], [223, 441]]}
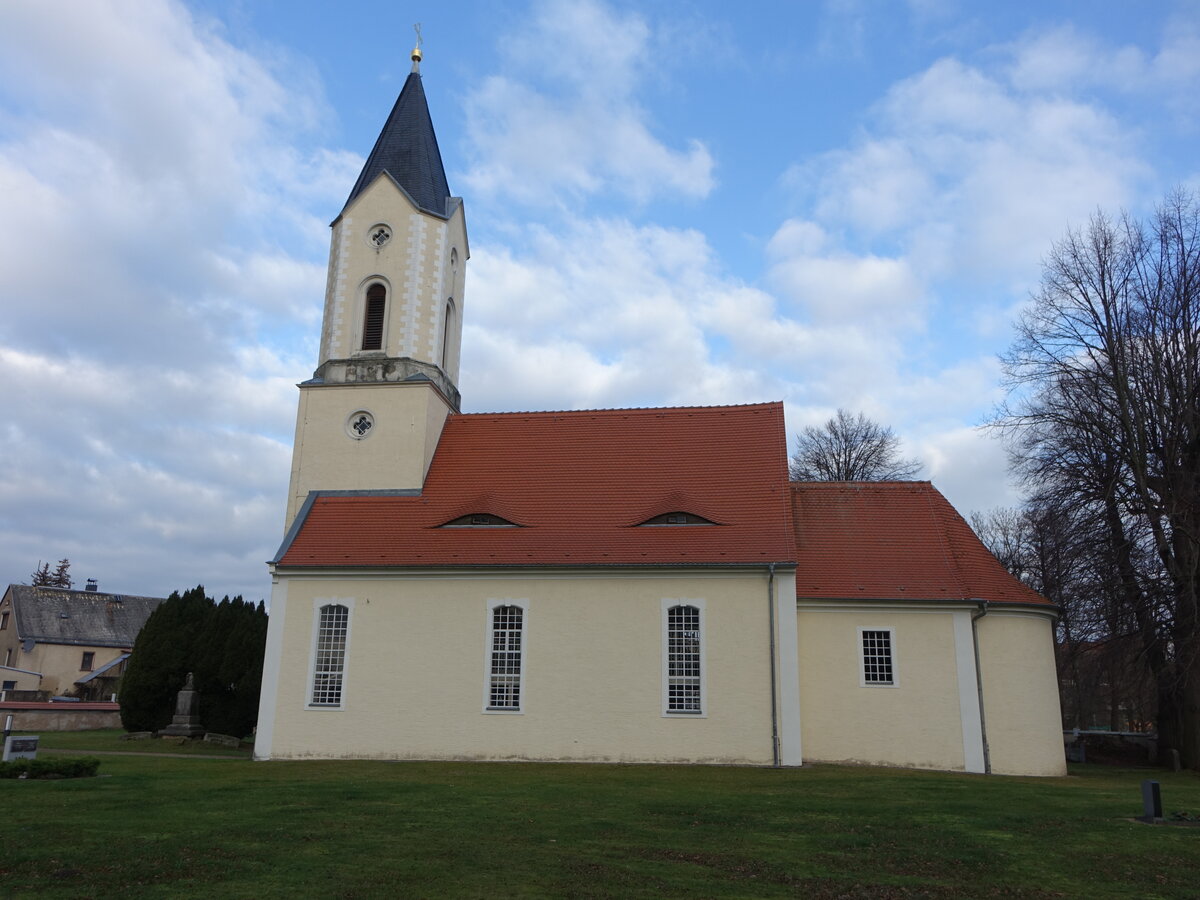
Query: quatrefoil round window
{"points": [[379, 235], [360, 424]]}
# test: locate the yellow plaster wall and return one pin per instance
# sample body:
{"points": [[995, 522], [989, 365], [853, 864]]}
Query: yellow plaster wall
{"points": [[415, 676], [59, 665], [916, 723], [395, 455], [414, 264], [1020, 691]]}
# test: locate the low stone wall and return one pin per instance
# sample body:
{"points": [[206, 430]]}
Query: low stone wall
{"points": [[1112, 747], [60, 716]]}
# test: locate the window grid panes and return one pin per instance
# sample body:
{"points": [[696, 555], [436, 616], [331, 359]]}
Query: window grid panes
{"points": [[330, 656], [877, 657], [504, 687], [683, 659]]}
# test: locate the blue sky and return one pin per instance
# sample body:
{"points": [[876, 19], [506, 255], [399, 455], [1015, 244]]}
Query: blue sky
{"points": [[839, 203]]}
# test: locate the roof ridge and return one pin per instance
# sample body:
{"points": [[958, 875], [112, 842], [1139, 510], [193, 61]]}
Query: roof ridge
{"points": [[862, 485], [618, 410]]}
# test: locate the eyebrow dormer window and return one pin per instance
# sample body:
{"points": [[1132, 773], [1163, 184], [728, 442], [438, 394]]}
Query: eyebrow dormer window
{"points": [[373, 317], [480, 520], [678, 518]]}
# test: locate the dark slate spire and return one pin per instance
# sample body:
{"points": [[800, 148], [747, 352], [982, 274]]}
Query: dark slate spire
{"points": [[407, 150]]}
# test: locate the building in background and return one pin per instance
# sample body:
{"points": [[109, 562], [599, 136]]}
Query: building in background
{"points": [[61, 642]]}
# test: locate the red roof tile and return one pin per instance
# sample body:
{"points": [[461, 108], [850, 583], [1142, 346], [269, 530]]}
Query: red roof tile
{"points": [[892, 540], [578, 483]]}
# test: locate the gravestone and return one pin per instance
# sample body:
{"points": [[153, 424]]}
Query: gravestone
{"points": [[1151, 803], [186, 722]]}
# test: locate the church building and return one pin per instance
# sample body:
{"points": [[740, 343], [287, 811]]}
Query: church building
{"points": [[619, 585]]}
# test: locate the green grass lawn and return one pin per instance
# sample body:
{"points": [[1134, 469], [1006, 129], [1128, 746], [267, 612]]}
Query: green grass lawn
{"points": [[188, 827]]}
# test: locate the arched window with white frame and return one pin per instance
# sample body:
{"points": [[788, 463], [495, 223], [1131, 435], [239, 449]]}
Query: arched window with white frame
{"points": [[683, 658], [505, 658], [329, 655]]}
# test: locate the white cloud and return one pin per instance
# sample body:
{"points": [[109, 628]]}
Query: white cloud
{"points": [[832, 286], [565, 123], [147, 172], [972, 176], [969, 466]]}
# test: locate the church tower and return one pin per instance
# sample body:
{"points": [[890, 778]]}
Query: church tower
{"points": [[371, 415]]}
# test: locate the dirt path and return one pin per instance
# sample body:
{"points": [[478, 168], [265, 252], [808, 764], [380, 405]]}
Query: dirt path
{"points": [[138, 753]]}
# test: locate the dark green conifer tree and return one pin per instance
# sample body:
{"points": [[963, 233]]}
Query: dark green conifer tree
{"points": [[220, 644]]}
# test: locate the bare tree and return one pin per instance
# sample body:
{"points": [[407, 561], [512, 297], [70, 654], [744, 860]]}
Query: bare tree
{"points": [[850, 448], [1062, 552], [1104, 418]]}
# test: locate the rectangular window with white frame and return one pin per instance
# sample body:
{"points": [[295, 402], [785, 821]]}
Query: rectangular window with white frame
{"points": [[683, 658], [331, 643], [877, 647], [505, 659]]}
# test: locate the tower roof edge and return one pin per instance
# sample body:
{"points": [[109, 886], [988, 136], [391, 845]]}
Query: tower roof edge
{"points": [[407, 150]]}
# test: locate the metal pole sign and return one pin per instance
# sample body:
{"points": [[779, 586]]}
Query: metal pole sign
{"points": [[20, 746]]}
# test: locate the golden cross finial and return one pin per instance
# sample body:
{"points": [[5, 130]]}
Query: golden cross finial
{"points": [[416, 54]]}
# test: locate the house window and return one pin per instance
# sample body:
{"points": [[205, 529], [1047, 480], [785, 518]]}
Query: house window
{"points": [[8, 657], [678, 518], [3, 621], [506, 658], [85, 664], [373, 317], [683, 652], [9, 686], [878, 665], [329, 657], [480, 520]]}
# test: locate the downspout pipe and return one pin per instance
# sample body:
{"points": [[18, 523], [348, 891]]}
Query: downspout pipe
{"points": [[775, 760], [975, 617]]}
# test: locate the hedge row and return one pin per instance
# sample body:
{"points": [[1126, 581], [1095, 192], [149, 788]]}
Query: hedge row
{"points": [[57, 767]]}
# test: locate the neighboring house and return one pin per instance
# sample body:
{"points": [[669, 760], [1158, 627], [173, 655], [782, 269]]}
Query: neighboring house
{"points": [[57, 641], [639, 585]]}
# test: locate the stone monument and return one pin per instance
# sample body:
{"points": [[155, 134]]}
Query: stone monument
{"points": [[186, 722]]}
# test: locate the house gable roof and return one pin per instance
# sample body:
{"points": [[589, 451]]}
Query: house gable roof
{"points": [[578, 482], [893, 540], [85, 618]]}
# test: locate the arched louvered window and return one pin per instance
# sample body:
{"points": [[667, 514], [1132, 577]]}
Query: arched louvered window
{"points": [[373, 317], [329, 657]]}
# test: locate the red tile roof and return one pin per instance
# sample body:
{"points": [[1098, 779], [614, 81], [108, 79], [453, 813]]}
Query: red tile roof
{"points": [[892, 540], [579, 483]]}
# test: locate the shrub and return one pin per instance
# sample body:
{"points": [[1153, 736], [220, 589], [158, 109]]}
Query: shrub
{"points": [[58, 767]]}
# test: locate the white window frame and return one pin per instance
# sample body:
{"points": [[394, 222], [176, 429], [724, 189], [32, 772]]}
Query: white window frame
{"points": [[492, 606], [667, 711], [862, 657], [318, 604]]}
